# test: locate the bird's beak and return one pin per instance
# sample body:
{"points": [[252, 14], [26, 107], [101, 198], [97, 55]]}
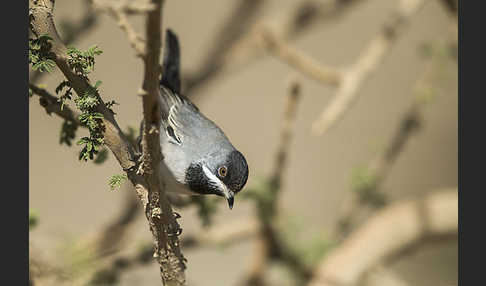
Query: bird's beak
{"points": [[230, 197]]}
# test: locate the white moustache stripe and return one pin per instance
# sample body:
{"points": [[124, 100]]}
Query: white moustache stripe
{"points": [[213, 179]]}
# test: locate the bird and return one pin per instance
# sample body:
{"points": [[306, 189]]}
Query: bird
{"points": [[198, 158]]}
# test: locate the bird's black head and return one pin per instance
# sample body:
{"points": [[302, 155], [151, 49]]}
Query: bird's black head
{"points": [[222, 176]]}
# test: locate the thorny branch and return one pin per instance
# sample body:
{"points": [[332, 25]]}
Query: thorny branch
{"points": [[163, 224], [72, 31], [119, 11], [144, 177]]}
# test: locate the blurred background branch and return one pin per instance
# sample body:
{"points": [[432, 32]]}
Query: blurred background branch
{"points": [[246, 43], [387, 233], [366, 64]]}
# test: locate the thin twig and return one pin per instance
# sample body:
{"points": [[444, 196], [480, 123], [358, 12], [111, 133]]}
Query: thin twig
{"points": [[370, 194], [113, 236], [119, 12], [52, 105], [365, 65], [216, 236], [300, 61], [269, 244]]}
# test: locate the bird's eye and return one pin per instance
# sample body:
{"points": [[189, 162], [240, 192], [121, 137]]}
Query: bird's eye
{"points": [[222, 171]]}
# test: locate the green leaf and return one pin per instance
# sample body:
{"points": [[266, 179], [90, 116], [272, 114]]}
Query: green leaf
{"points": [[83, 140], [33, 219], [116, 180]]}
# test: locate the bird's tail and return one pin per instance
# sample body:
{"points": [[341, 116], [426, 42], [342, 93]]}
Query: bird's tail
{"points": [[171, 63]]}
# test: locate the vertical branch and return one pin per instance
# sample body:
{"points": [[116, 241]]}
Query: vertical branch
{"points": [[286, 134], [158, 211], [144, 174], [268, 244]]}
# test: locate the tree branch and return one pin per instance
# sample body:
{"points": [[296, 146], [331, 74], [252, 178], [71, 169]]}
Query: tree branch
{"points": [[370, 194], [119, 11], [234, 27], [150, 191], [250, 45], [387, 233], [52, 105], [163, 224], [365, 65], [72, 31], [269, 243]]}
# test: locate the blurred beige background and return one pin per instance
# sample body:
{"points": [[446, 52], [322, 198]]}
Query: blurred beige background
{"points": [[73, 199]]}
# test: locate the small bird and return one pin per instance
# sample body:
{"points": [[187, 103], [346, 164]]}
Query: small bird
{"points": [[198, 158]]}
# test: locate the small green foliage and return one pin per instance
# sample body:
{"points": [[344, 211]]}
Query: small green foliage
{"points": [[426, 94], [91, 147], [363, 178], [77, 256], [309, 246], [33, 219], [40, 56], [116, 181], [315, 248], [31, 93], [365, 182], [102, 156], [92, 120], [68, 132], [207, 207], [82, 62], [67, 94]]}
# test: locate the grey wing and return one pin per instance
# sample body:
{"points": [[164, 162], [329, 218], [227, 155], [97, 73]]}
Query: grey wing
{"points": [[186, 125]]}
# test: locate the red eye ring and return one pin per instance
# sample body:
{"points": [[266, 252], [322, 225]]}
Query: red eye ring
{"points": [[222, 171]]}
